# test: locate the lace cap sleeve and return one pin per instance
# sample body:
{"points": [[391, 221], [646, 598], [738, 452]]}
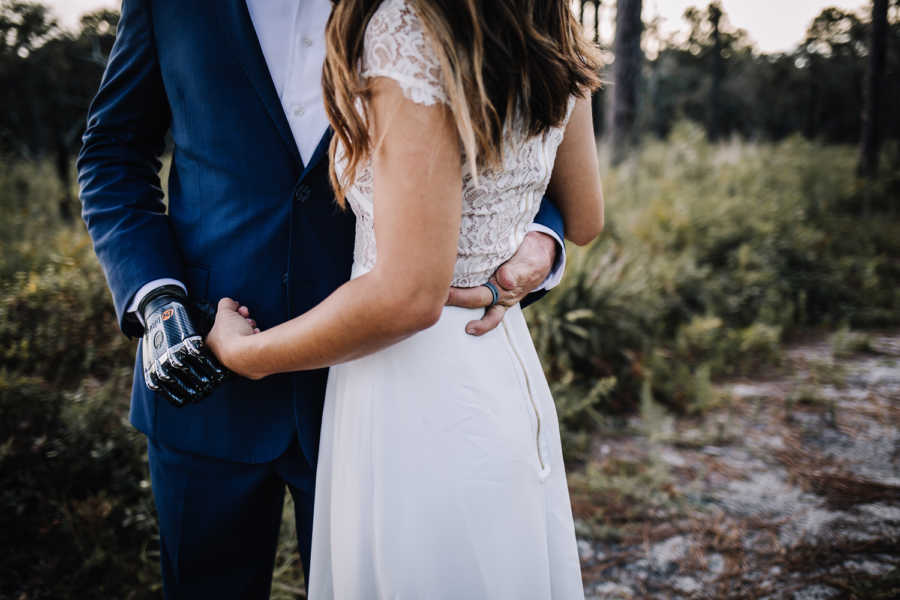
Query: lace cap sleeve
{"points": [[396, 46]]}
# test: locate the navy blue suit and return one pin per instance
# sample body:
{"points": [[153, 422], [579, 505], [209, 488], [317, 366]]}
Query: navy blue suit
{"points": [[246, 219]]}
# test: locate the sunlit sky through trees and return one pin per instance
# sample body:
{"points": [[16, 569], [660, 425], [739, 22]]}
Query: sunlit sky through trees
{"points": [[775, 25]]}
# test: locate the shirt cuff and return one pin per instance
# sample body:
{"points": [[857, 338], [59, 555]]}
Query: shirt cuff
{"points": [[559, 267], [146, 289]]}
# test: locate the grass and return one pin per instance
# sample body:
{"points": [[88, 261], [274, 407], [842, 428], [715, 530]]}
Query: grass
{"points": [[613, 493], [287, 579], [846, 343], [832, 480]]}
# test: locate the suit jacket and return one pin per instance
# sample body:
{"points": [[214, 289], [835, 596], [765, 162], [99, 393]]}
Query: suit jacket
{"points": [[246, 218]]}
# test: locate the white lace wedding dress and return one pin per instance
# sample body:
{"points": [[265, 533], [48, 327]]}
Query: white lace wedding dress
{"points": [[440, 470]]}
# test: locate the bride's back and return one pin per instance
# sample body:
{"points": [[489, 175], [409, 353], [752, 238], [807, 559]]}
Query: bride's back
{"points": [[511, 83]]}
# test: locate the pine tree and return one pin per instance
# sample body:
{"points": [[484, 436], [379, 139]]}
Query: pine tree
{"points": [[870, 143], [626, 76]]}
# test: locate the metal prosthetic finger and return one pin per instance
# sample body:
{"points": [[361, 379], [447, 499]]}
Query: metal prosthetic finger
{"points": [[171, 378], [194, 350], [182, 360], [155, 380], [205, 380], [155, 383], [194, 344], [171, 396], [211, 362], [150, 380]]}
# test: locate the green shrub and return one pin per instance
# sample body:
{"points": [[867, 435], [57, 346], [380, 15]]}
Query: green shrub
{"points": [[29, 195], [75, 507], [845, 343], [57, 321], [712, 254]]}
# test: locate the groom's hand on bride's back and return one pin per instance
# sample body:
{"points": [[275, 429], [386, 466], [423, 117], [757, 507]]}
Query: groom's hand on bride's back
{"points": [[516, 278]]}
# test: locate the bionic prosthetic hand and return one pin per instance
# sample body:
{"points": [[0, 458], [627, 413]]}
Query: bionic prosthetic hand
{"points": [[176, 361]]}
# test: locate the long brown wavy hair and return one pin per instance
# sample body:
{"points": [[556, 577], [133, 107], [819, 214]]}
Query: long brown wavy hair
{"points": [[499, 59]]}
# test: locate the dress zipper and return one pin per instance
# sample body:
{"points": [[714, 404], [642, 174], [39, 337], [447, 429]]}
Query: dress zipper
{"points": [[537, 414]]}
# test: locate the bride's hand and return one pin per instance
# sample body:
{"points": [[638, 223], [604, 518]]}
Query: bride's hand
{"points": [[228, 336]]}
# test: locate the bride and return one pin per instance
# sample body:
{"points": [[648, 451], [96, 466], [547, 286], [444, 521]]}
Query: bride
{"points": [[440, 471]]}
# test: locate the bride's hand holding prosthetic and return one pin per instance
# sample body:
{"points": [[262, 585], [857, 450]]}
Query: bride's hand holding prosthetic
{"points": [[228, 336]]}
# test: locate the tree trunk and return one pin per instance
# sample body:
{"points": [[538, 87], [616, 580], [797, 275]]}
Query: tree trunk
{"points": [[62, 163], [626, 77], [718, 73], [870, 143], [592, 30]]}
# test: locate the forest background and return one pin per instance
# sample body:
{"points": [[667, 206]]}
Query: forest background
{"points": [[753, 203]]}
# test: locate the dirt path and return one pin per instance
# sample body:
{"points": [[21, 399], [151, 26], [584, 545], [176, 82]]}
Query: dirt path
{"points": [[788, 487]]}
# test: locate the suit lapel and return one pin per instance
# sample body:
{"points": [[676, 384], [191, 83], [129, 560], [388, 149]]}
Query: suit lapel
{"points": [[254, 64], [320, 153]]}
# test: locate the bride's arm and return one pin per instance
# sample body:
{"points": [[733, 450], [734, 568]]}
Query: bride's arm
{"points": [[418, 203], [575, 183]]}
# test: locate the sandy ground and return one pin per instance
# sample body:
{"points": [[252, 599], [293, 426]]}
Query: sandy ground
{"points": [[789, 487]]}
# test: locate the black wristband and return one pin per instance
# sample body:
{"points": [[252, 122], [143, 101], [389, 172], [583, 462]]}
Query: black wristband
{"points": [[159, 296]]}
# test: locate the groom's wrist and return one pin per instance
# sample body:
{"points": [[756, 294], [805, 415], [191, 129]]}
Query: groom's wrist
{"points": [[555, 254], [547, 246]]}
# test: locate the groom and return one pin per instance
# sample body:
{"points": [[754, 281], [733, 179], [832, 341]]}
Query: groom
{"points": [[250, 215]]}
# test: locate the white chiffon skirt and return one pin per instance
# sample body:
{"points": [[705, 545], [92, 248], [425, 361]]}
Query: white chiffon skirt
{"points": [[440, 473]]}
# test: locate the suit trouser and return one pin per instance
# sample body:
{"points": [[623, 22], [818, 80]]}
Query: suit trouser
{"points": [[219, 520]]}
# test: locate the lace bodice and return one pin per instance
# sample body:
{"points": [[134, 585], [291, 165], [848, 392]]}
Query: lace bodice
{"points": [[497, 212]]}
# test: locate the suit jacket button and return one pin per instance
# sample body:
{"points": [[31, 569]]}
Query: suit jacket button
{"points": [[302, 193]]}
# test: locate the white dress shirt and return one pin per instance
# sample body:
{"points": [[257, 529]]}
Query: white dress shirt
{"points": [[292, 37]]}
